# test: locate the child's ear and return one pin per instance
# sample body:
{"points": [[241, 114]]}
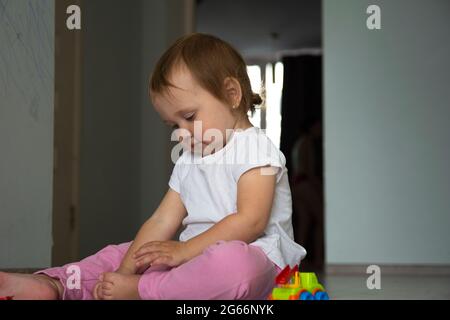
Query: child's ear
{"points": [[233, 90]]}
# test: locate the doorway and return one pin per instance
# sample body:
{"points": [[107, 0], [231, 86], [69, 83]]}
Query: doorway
{"points": [[281, 41]]}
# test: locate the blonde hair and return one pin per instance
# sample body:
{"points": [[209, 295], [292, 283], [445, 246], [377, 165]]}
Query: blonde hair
{"points": [[210, 61]]}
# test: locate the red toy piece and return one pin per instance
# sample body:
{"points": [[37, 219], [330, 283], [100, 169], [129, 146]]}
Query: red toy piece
{"points": [[6, 298], [286, 274]]}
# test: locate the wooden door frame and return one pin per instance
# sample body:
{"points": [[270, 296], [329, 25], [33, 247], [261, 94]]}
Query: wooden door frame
{"points": [[67, 125]]}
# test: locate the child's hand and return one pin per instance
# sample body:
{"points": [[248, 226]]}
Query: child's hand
{"points": [[170, 253]]}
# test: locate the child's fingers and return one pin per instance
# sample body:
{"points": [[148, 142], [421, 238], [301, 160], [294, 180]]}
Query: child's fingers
{"points": [[142, 252], [148, 244], [153, 254], [147, 248], [139, 254], [148, 259], [144, 262], [164, 259]]}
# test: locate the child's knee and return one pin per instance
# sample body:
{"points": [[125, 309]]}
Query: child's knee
{"points": [[243, 264], [237, 256]]}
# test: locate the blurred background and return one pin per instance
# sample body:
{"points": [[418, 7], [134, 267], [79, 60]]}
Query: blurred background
{"points": [[361, 116]]}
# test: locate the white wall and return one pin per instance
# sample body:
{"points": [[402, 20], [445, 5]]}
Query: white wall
{"points": [[26, 132], [387, 132]]}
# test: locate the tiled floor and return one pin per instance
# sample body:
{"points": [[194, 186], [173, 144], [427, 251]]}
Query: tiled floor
{"points": [[392, 287]]}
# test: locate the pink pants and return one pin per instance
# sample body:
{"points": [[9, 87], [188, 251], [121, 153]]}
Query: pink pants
{"points": [[226, 270]]}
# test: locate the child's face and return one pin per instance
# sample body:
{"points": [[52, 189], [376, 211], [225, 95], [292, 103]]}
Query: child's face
{"points": [[189, 103]]}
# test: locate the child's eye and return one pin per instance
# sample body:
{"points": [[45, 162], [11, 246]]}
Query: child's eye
{"points": [[189, 116]]}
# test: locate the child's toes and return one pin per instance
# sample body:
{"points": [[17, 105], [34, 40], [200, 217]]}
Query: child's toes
{"points": [[107, 288], [106, 294], [94, 292], [98, 291]]}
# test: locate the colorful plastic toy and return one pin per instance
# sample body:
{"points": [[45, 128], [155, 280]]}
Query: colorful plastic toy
{"points": [[294, 285]]}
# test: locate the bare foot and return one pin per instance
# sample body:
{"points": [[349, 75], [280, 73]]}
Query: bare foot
{"points": [[98, 292], [116, 286], [29, 286]]}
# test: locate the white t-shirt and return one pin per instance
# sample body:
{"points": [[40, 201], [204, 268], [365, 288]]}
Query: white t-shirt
{"points": [[208, 189]]}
